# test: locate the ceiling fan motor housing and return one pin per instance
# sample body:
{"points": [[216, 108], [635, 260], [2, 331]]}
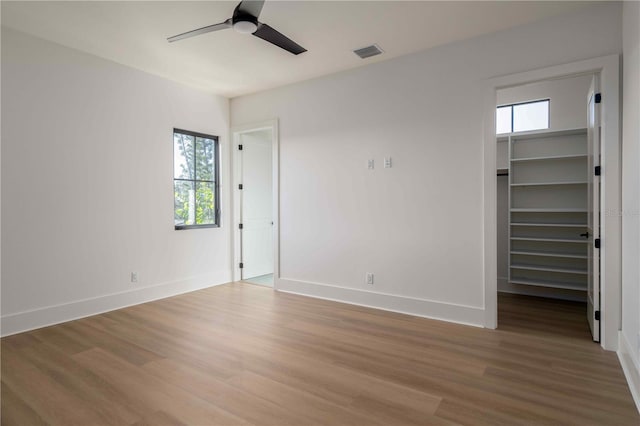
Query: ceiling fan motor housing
{"points": [[245, 24]]}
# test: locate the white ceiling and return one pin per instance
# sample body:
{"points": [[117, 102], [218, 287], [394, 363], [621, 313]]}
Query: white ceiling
{"points": [[232, 64]]}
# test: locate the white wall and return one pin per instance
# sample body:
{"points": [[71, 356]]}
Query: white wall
{"points": [[567, 110], [87, 191], [567, 105], [502, 154], [630, 336], [419, 225]]}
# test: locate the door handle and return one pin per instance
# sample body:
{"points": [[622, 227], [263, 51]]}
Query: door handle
{"points": [[586, 234]]}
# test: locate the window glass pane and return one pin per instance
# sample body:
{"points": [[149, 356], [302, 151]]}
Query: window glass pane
{"points": [[204, 159], [531, 116], [503, 119], [205, 207], [194, 183], [183, 156], [184, 203]]}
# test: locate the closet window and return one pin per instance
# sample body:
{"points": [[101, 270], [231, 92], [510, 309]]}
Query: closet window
{"points": [[522, 117]]}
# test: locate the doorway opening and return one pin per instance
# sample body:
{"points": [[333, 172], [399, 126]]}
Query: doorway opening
{"points": [[608, 70], [256, 217], [548, 205]]}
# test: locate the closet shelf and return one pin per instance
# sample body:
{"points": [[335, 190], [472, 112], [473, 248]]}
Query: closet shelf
{"points": [[550, 183], [553, 210], [548, 284], [553, 240], [553, 225], [549, 254], [549, 269], [553, 157], [546, 133]]}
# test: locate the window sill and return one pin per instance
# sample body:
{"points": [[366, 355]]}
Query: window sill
{"points": [[185, 227]]}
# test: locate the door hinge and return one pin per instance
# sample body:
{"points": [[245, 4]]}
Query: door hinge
{"points": [[240, 186], [240, 226], [241, 265], [598, 98], [597, 315], [598, 171], [240, 147], [596, 242]]}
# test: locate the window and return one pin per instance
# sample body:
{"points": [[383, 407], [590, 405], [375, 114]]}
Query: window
{"points": [[522, 117], [195, 180]]}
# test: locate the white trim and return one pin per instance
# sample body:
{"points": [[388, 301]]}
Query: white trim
{"points": [[608, 68], [490, 211], [236, 131], [461, 314], [630, 368], [56, 314]]}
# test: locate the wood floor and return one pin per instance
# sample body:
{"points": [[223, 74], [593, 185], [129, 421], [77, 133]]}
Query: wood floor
{"points": [[244, 354]]}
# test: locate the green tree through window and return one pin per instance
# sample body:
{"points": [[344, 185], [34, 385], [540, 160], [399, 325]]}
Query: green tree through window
{"points": [[195, 177]]}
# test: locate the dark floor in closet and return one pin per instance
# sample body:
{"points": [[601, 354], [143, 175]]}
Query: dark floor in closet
{"points": [[542, 316]]}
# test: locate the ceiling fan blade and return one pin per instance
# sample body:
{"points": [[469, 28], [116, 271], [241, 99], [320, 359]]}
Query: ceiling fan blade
{"points": [[215, 27], [267, 33], [249, 7]]}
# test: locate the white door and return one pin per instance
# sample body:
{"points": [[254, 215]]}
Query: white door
{"points": [[257, 204], [593, 208]]}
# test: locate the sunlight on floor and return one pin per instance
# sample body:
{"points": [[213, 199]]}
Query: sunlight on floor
{"points": [[261, 280]]}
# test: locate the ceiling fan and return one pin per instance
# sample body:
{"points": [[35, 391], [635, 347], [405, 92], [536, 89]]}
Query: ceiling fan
{"points": [[245, 21]]}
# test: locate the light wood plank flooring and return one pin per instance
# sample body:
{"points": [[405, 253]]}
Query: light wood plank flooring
{"points": [[244, 354]]}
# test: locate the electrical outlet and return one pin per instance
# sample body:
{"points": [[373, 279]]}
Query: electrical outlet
{"points": [[370, 164], [387, 162], [369, 278], [134, 277]]}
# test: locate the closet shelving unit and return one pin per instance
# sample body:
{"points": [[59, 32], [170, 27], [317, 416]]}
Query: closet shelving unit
{"points": [[548, 209]]}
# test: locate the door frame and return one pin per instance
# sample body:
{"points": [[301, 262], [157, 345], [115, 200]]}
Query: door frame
{"points": [[593, 198], [236, 241], [610, 197]]}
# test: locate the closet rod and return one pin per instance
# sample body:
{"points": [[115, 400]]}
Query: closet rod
{"points": [[503, 174]]}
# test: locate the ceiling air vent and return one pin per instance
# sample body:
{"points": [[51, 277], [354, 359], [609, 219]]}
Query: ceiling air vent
{"points": [[369, 51]]}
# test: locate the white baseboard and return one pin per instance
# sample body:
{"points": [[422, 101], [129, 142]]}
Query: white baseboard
{"points": [[50, 315], [460, 314], [629, 361]]}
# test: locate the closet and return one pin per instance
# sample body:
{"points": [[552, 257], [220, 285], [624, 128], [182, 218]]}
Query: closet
{"points": [[543, 194]]}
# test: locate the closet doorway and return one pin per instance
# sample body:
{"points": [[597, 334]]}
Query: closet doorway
{"points": [[548, 205], [255, 160]]}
